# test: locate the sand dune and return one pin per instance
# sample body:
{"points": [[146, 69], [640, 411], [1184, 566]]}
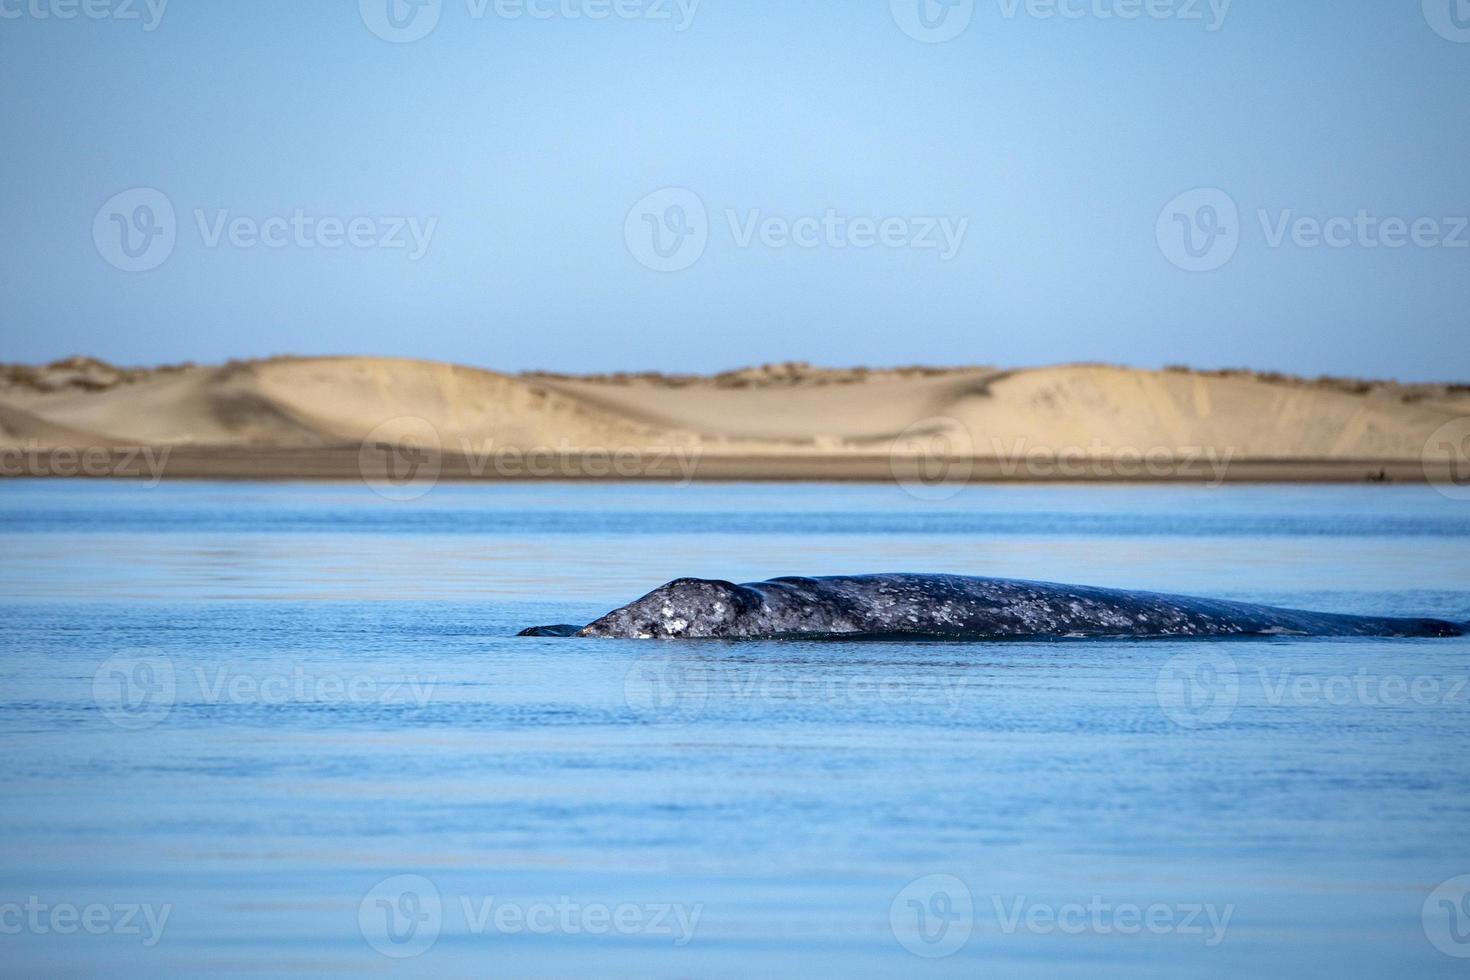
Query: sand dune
{"points": [[793, 417]]}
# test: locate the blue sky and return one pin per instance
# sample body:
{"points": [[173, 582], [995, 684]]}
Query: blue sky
{"points": [[1263, 183]]}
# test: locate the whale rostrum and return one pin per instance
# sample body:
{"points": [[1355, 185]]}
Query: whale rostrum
{"points": [[960, 607]]}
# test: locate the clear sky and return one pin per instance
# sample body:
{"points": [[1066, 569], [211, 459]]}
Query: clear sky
{"points": [[656, 184]]}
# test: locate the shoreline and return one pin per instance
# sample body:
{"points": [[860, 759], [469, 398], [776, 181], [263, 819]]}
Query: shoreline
{"points": [[691, 466]]}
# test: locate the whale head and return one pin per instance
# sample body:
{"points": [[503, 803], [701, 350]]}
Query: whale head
{"points": [[686, 608]]}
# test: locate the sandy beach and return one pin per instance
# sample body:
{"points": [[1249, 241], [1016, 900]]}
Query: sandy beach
{"points": [[363, 417]]}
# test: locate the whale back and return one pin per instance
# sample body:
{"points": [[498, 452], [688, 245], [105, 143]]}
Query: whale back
{"points": [[960, 607]]}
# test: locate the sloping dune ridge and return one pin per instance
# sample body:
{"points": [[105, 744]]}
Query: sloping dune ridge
{"points": [[294, 416]]}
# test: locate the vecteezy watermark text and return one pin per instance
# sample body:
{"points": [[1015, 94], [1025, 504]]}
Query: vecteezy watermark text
{"points": [[1362, 230], [302, 230], [148, 13], [405, 21], [139, 689], [403, 916], [1205, 688], [1209, 13], [404, 458], [1102, 461], [669, 230], [137, 230], [1201, 230], [935, 458], [678, 13], [92, 461], [838, 231], [935, 915], [668, 687], [938, 21], [42, 918], [1099, 916]]}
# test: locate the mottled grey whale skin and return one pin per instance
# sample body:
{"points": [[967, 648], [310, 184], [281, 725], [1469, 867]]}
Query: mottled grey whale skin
{"points": [[959, 607]]}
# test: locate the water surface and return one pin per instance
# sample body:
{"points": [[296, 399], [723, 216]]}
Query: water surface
{"points": [[288, 726]]}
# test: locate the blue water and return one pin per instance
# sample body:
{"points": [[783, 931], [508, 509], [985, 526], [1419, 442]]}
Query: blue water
{"points": [[286, 729]]}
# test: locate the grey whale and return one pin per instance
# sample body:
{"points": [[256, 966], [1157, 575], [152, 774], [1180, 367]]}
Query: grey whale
{"points": [[959, 607]]}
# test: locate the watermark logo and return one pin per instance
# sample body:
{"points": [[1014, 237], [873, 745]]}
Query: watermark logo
{"points": [[932, 21], [1449, 18], [401, 21], [401, 916], [135, 230], [1446, 459], [668, 230], [1446, 917], [402, 458], [660, 687], [1199, 231], [933, 916], [1196, 690], [134, 691], [934, 458]]}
